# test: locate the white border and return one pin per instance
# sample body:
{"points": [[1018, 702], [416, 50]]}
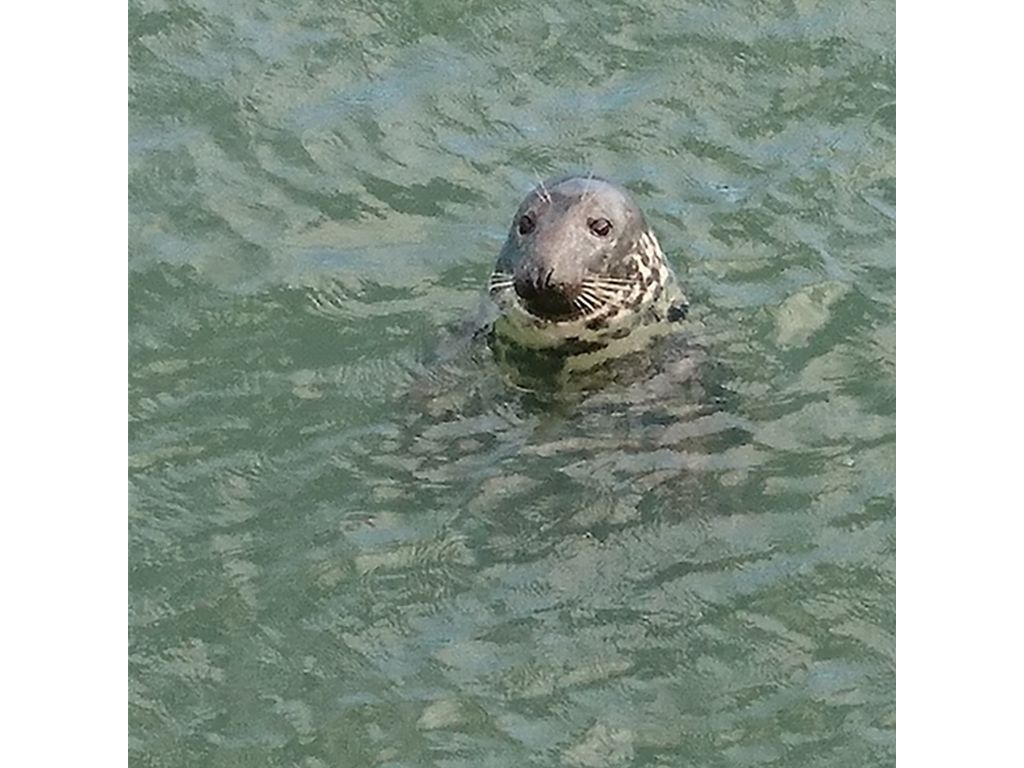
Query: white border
{"points": [[959, 246], [65, 340], [64, 383]]}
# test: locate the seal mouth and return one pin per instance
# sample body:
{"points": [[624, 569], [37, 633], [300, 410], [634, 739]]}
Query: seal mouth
{"points": [[552, 309], [546, 303]]}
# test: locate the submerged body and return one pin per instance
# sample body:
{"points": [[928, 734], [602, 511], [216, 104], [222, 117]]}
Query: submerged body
{"points": [[581, 276]]}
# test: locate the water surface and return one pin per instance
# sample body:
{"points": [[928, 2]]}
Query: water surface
{"points": [[353, 543]]}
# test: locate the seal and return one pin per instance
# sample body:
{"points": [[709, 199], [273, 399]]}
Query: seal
{"points": [[582, 275]]}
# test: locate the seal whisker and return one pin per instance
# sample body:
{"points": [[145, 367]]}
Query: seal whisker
{"points": [[612, 305], [606, 300], [605, 290], [591, 302], [609, 280], [581, 306], [544, 192], [609, 288], [609, 294], [616, 289], [602, 293], [588, 193]]}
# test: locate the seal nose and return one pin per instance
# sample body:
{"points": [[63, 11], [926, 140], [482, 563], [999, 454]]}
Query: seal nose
{"points": [[546, 297]]}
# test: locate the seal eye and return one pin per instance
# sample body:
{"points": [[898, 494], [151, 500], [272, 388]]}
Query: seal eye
{"points": [[526, 224], [600, 227]]}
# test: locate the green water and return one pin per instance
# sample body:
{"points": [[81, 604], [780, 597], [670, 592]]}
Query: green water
{"points": [[353, 543]]}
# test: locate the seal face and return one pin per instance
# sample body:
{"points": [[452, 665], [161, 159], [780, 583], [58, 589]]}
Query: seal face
{"points": [[582, 274]]}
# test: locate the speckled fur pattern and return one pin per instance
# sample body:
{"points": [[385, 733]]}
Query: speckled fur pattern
{"points": [[635, 295]]}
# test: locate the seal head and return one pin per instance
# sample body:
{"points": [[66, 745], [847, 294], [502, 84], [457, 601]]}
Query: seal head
{"points": [[581, 269]]}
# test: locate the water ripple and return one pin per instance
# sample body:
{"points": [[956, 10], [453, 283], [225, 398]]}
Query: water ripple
{"points": [[353, 541]]}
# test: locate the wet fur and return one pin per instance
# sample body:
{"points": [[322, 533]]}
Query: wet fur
{"points": [[628, 293]]}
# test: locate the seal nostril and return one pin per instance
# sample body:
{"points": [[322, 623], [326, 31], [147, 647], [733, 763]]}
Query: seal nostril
{"points": [[532, 286], [524, 287], [544, 295]]}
